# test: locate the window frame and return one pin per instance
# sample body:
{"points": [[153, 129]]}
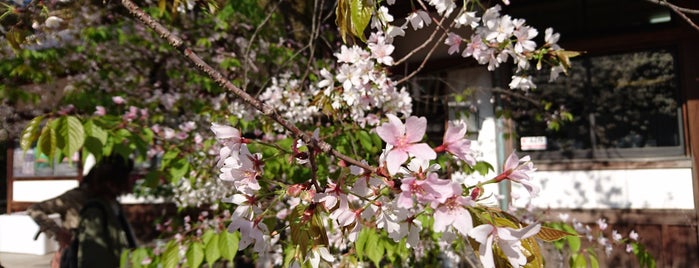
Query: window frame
{"points": [[595, 153]]}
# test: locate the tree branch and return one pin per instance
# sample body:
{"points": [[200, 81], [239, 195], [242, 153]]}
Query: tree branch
{"points": [[214, 74], [680, 11]]}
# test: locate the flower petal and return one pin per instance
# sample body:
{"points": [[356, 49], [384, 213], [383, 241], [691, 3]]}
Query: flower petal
{"points": [[415, 128], [394, 159], [422, 151]]}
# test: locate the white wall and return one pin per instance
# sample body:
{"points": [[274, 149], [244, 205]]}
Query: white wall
{"points": [[603, 189]]}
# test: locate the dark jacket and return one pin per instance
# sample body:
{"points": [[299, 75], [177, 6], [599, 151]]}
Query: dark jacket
{"points": [[103, 234]]}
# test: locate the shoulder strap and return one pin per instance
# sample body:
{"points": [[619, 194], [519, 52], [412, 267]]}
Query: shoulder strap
{"points": [[101, 206]]}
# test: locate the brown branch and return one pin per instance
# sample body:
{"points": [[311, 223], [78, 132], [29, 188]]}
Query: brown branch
{"points": [[673, 6], [680, 11], [214, 74], [424, 61], [420, 47]]}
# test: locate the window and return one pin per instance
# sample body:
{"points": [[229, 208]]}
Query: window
{"points": [[623, 105]]}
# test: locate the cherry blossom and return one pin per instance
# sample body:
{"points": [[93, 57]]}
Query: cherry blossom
{"points": [[402, 141], [452, 212], [100, 111], [521, 82], [425, 191], [467, 18], [506, 238], [318, 253], [455, 142], [444, 7], [453, 41], [118, 100], [633, 235], [419, 19], [519, 170], [380, 50]]}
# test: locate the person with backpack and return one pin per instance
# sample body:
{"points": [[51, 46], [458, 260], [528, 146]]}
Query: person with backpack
{"points": [[68, 205], [104, 231]]}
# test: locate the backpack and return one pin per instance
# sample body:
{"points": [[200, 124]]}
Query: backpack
{"points": [[69, 256]]}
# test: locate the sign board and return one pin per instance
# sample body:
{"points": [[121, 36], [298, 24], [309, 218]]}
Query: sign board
{"points": [[532, 143]]}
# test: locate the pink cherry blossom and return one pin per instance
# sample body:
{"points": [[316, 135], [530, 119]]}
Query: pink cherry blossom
{"points": [[118, 100], [425, 191], [633, 235], [344, 215], [453, 212], [519, 170], [453, 41], [100, 111], [402, 141], [455, 142], [250, 231], [242, 169]]}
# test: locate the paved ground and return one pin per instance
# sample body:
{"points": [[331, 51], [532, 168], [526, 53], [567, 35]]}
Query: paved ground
{"points": [[15, 260]]}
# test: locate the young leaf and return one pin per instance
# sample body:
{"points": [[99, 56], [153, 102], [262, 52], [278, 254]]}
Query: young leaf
{"points": [[374, 249], [360, 11], [47, 141], [137, 257], [549, 234], [228, 244], [361, 241], [578, 261], [31, 133], [71, 135], [124, 259], [212, 251], [171, 256], [178, 169], [195, 254]]}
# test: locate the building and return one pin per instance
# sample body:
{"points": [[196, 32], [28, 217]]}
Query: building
{"points": [[631, 151]]}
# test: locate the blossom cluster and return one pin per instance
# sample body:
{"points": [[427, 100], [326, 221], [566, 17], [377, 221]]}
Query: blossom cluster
{"points": [[407, 187], [360, 87], [291, 99], [494, 37]]}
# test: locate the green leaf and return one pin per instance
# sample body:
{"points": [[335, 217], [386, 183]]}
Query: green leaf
{"points": [[573, 241], [47, 141], [360, 11], [96, 139], [360, 244], [124, 259], [228, 244], [578, 261], [594, 263], [171, 256], [178, 168], [195, 254], [365, 140], [374, 249], [137, 257], [71, 135], [212, 251], [31, 133]]}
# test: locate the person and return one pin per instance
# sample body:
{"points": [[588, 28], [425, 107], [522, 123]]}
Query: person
{"points": [[68, 206], [103, 232]]}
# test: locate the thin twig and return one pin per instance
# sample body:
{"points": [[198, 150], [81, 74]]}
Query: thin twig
{"points": [[424, 61], [673, 6], [215, 75], [247, 60], [680, 11]]}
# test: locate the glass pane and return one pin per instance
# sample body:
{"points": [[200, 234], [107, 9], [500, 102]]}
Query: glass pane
{"points": [[568, 92], [618, 102], [636, 100]]}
